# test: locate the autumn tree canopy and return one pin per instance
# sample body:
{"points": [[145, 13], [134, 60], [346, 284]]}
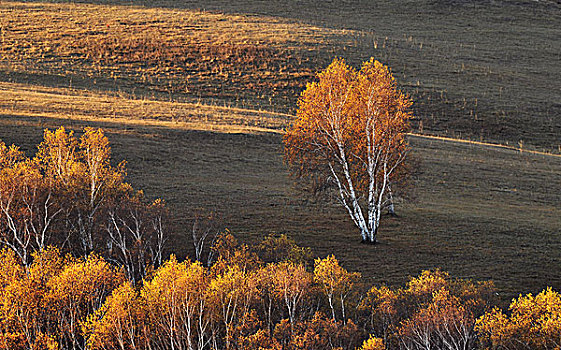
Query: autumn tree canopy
{"points": [[58, 301], [350, 134], [70, 196]]}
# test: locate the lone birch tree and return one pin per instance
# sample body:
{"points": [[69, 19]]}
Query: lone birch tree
{"points": [[350, 134]]}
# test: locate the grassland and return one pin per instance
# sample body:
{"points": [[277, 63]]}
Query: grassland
{"points": [[84, 105], [486, 70], [478, 211], [479, 70], [156, 53], [196, 101]]}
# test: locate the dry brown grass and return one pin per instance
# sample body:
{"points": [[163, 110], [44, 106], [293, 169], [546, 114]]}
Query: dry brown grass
{"points": [[480, 70], [171, 54], [485, 70], [85, 105], [74, 104]]}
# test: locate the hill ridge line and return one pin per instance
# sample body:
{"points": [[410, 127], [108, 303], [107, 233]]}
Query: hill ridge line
{"points": [[486, 144]]}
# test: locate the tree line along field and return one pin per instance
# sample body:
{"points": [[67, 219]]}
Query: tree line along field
{"points": [[484, 71], [477, 211], [64, 302]]}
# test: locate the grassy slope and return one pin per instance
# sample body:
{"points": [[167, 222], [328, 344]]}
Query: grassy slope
{"points": [[486, 70], [479, 69], [478, 211], [157, 53]]}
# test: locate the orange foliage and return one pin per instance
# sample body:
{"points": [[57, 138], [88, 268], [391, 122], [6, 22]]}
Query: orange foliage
{"points": [[42, 305], [290, 286], [534, 323], [63, 302], [226, 252], [277, 248], [231, 295], [336, 282], [317, 332], [78, 290], [27, 207], [432, 311], [69, 195], [350, 134], [427, 283], [381, 307], [176, 305], [120, 323], [445, 323]]}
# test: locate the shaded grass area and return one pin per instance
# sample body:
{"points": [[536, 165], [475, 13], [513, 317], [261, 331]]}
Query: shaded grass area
{"points": [[478, 212]]}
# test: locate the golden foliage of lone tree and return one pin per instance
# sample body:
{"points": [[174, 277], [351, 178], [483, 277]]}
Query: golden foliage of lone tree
{"points": [[350, 133]]}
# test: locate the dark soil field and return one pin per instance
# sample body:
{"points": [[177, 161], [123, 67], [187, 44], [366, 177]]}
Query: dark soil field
{"points": [[195, 97]]}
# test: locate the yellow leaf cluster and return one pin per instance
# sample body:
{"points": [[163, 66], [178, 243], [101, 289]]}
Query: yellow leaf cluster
{"points": [[43, 304], [431, 311], [534, 323], [336, 282], [373, 343], [63, 302], [332, 277], [350, 110], [69, 195]]}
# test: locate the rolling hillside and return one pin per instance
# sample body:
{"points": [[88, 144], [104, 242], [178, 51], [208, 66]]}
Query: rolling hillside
{"points": [[485, 70], [195, 96], [478, 211]]}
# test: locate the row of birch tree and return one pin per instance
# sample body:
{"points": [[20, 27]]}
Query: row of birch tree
{"points": [[245, 300], [69, 195]]}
